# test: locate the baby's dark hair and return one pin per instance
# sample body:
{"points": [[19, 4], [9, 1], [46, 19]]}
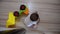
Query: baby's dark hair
{"points": [[34, 17]]}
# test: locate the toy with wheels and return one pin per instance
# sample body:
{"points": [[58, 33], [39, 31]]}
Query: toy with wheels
{"points": [[16, 14], [12, 16]]}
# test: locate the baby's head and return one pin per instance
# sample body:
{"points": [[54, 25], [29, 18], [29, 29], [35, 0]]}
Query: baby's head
{"points": [[34, 17]]}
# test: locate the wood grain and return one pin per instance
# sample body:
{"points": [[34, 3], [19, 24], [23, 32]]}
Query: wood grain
{"points": [[49, 12]]}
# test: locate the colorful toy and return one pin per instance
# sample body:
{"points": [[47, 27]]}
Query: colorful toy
{"points": [[12, 16], [26, 11], [23, 9], [21, 12], [11, 20]]}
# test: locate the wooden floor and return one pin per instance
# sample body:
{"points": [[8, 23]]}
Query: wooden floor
{"points": [[49, 12]]}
